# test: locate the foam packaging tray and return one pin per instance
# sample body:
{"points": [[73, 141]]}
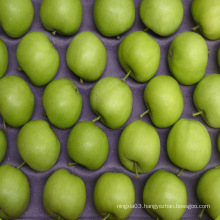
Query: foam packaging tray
{"points": [[35, 209]]}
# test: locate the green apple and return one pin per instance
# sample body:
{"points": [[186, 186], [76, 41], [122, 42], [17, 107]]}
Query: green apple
{"points": [[3, 146], [86, 56], [208, 191], [16, 16], [111, 99], [206, 99], [63, 17], [38, 58], [62, 103], [188, 58], [16, 101], [139, 56], [3, 58], [189, 145], [167, 192], [206, 13], [14, 192], [164, 101], [38, 145], [114, 196], [88, 145], [139, 147], [64, 195], [162, 17], [113, 17]]}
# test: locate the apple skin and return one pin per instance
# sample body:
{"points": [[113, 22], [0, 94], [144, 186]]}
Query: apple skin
{"points": [[189, 145], [64, 195], [111, 99], [188, 58], [14, 192], [16, 101], [63, 17], [3, 58], [164, 100], [113, 17], [164, 188], [140, 54], [205, 98], [86, 56], [162, 17], [62, 103], [38, 58], [88, 145], [140, 143], [38, 145], [208, 191], [3, 145], [16, 17], [114, 189], [206, 13]]}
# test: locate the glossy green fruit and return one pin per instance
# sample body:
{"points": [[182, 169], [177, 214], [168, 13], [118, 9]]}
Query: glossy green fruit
{"points": [[38, 58], [208, 191], [188, 58], [113, 17], [38, 145], [16, 101], [112, 192], [189, 145], [162, 17], [3, 145], [139, 56], [14, 192], [64, 195], [164, 100], [139, 147], [111, 99], [3, 58], [63, 17], [16, 16], [206, 99], [62, 103], [88, 145], [206, 13], [164, 188], [86, 56]]}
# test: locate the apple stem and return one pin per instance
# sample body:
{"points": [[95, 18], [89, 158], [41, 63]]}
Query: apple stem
{"points": [[81, 81], [197, 113], [21, 165], [180, 172], [118, 37], [96, 119], [136, 169], [201, 214], [54, 32], [209, 51], [143, 114], [127, 75], [72, 164], [195, 28], [19, 69], [4, 125], [106, 217], [146, 29]]}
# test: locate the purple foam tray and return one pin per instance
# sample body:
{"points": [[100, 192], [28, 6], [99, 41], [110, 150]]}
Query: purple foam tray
{"points": [[35, 208]]}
